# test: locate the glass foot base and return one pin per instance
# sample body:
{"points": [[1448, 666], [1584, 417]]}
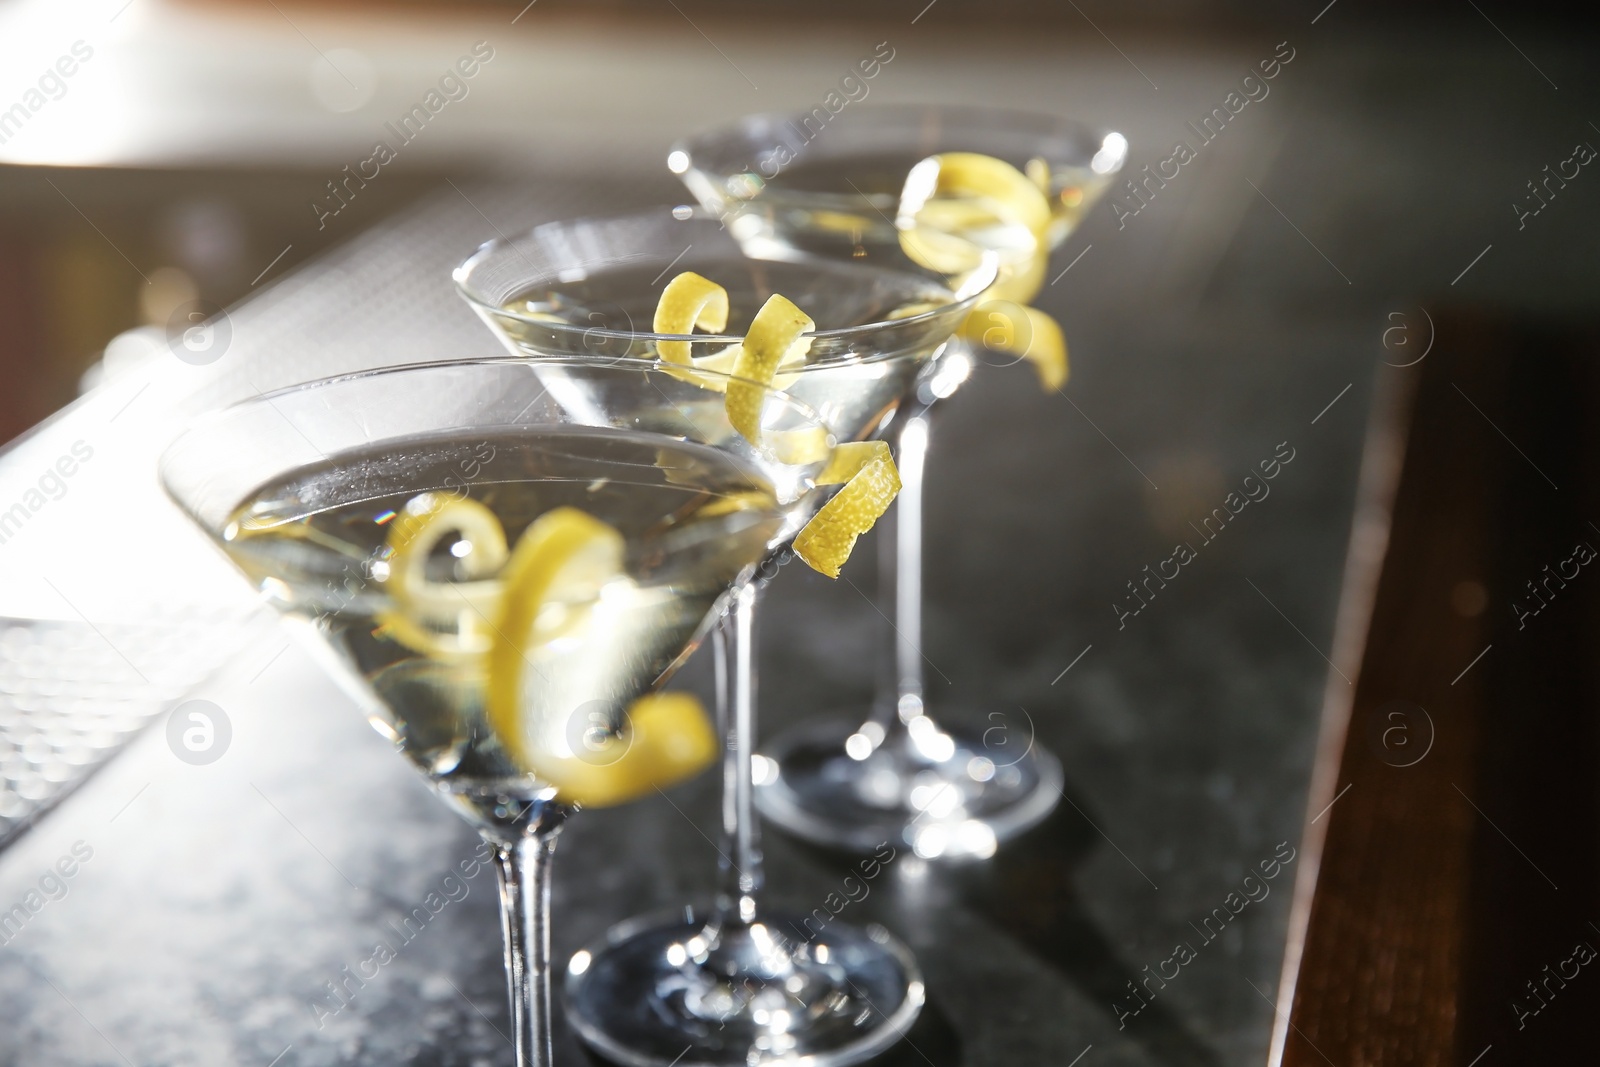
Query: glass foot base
{"points": [[663, 990], [944, 791]]}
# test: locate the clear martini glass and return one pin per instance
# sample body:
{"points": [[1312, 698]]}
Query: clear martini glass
{"points": [[945, 788], [740, 984], [305, 490]]}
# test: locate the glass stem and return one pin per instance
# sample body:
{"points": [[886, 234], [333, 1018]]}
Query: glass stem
{"points": [[900, 566], [740, 865], [523, 866]]}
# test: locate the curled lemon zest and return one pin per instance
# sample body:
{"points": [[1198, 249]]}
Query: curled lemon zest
{"points": [[1025, 332], [442, 619], [688, 302], [777, 330], [778, 337], [563, 560], [871, 483], [948, 203]]}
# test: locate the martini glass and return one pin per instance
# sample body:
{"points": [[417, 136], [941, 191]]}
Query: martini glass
{"points": [[951, 789], [300, 488], [740, 984]]}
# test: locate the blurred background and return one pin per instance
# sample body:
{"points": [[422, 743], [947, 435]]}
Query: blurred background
{"points": [[157, 151]]}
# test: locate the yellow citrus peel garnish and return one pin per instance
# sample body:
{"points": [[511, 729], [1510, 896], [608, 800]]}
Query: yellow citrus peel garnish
{"points": [[722, 362], [552, 582], [443, 619], [1038, 172], [544, 590], [734, 502], [777, 328], [950, 201], [667, 738], [779, 336], [871, 483], [1023, 281], [688, 302], [1025, 332]]}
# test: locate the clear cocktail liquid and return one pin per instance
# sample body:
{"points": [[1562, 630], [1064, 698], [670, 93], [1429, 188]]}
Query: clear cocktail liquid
{"points": [[850, 391], [692, 519], [864, 191]]}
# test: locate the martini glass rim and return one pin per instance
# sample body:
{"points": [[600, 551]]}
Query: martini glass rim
{"points": [[630, 365], [633, 363], [898, 118], [971, 289]]}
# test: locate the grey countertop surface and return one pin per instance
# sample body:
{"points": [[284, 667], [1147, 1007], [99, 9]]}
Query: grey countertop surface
{"points": [[1209, 333]]}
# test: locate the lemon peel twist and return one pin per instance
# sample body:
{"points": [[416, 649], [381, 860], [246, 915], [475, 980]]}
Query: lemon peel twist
{"points": [[666, 738], [554, 576], [950, 204], [866, 468], [539, 591], [953, 192], [442, 619], [778, 336], [871, 483], [1025, 332], [777, 331], [689, 301]]}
